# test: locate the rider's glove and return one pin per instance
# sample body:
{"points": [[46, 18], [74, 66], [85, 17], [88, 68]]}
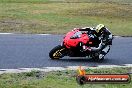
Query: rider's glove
{"points": [[85, 48], [89, 49]]}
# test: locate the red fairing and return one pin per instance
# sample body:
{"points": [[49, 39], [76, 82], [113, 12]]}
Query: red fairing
{"points": [[68, 42]]}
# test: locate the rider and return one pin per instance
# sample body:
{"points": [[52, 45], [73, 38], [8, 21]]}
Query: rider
{"points": [[104, 35]]}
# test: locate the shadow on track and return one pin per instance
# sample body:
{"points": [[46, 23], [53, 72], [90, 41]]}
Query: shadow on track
{"points": [[68, 61], [83, 60], [106, 61]]}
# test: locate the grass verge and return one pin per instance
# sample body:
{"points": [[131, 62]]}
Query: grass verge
{"points": [[58, 79], [60, 16]]}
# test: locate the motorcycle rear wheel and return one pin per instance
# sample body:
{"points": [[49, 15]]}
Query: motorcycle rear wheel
{"points": [[97, 59], [57, 52]]}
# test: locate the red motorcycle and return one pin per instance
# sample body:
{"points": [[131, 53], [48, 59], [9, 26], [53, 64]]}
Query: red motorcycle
{"points": [[72, 46]]}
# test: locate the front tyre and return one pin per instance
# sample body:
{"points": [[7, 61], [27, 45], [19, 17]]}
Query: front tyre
{"points": [[57, 52]]}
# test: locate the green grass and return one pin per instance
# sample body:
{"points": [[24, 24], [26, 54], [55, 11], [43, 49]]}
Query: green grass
{"points": [[58, 79], [60, 16]]}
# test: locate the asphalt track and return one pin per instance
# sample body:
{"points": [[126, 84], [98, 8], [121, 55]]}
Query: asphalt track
{"points": [[31, 51]]}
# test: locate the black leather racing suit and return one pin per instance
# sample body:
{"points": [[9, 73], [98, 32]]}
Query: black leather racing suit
{"points": [[105, 40]]}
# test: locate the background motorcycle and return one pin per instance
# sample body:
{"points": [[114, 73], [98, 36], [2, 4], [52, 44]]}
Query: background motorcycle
{"points": [[72, 46]]}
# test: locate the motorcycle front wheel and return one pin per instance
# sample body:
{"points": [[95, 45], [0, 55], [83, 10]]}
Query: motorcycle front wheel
{"points": [[57, 52]]}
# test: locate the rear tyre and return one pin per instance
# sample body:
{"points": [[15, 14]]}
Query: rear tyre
{"points": [[97, 59], [57, 52]]}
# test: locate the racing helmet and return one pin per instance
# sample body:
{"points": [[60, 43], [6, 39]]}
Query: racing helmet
{"points": [[99, 28]]}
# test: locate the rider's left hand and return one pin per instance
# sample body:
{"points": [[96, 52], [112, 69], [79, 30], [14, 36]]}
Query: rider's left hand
{"points": [[85, 48]]}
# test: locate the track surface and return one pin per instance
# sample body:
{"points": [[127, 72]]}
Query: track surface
{"points": [[31, 51]]}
